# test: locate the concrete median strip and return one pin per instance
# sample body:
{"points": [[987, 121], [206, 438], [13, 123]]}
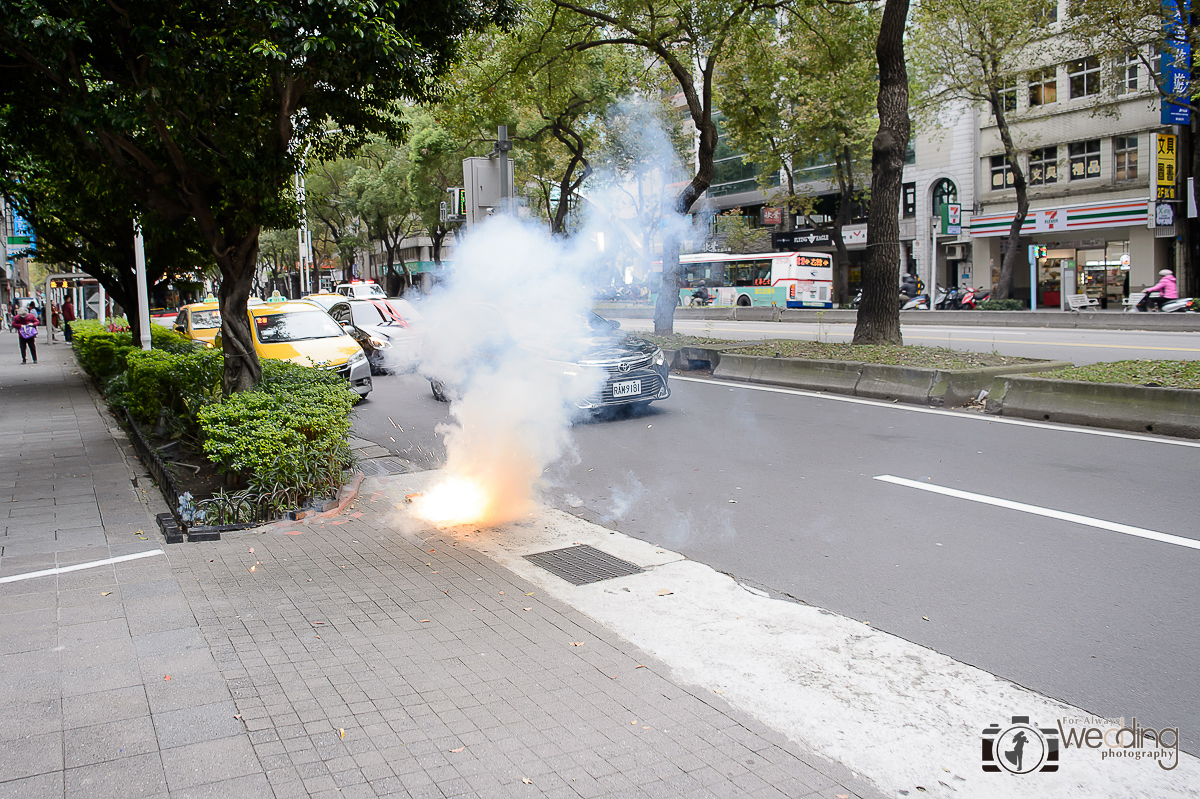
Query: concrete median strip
{"points": [[903, 716], [921, 385], [1149, 409]]}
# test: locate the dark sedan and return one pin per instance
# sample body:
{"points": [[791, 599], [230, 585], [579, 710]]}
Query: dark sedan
{"points": [[385, 328]]}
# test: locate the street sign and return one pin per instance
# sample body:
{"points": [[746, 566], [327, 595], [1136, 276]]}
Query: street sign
{"points": [[1165, 175], [94, 304]]}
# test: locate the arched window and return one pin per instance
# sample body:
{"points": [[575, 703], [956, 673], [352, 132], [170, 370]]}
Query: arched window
{"points": [[944, 191]]}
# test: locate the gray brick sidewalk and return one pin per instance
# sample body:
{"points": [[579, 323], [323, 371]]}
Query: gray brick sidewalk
{"points": [[86, 709], [377, 665], [342, 659]]}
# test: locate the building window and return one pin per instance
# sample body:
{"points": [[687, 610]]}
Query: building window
{"points": [[1085, 159], [944, 191], [1085, 76], [910, 200], [1155, 61], [1043, 166], [1002, 176], [1125, 70], [1007, 89], [1043, 86], [1125, 149]]}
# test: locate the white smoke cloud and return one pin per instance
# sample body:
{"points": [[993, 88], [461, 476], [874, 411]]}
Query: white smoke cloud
{"points": [[503, 335]]}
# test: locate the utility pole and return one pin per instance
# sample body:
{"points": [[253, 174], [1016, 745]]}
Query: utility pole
{"points": [[139, 260], [503, 145]]}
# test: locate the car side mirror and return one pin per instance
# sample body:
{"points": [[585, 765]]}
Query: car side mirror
{"points": [[614, 324]]}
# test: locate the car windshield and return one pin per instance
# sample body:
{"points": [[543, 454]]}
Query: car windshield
{"points": [[294, 326], [206, 320], [376, 312]]}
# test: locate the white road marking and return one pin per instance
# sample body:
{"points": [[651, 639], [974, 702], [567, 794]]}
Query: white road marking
{"points": [[12, 578], [938, 411], [1115, 527]]}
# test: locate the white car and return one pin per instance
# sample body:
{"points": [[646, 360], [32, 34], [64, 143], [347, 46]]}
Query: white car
{"points": [[362, 290]]}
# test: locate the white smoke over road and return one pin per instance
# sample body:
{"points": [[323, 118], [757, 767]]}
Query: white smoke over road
{"points": [[503, 335]]}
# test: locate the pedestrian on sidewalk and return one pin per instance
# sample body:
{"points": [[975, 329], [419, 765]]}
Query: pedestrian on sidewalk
{"points": [[25, 323], [68, 315]]}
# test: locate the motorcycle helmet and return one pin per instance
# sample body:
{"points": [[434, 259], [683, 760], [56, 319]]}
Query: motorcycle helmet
{"points": [[1164, 272]]}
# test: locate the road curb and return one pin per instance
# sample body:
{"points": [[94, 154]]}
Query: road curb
{"points": [[1146, 409], [924, 386]]}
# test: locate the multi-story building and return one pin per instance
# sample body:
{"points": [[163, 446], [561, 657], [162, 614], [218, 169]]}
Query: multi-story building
{"points": [[1088, 129]]}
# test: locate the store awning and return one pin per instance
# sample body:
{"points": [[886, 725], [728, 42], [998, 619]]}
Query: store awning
{"points": [[1119, 213]]}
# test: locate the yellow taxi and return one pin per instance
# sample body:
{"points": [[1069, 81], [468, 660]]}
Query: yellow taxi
{"points": [[199, 321], [297, 331], [324, 298]]}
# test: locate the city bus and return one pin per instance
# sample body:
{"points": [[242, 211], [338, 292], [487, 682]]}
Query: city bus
{"points": [[781, 279]]}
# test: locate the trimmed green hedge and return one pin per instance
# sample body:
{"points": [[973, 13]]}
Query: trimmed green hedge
{"points": [[287, 434], [1001, 305]]}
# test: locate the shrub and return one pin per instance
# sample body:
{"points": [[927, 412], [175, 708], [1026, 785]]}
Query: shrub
{"points": [[180, 384], [1001, 305], [287, 434]]}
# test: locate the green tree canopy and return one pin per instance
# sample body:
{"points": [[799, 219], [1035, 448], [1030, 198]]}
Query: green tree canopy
{"points": [[205, 110]]}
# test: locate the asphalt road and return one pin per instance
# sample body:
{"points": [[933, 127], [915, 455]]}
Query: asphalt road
{"points": [[779, 488], [1077, 346]]}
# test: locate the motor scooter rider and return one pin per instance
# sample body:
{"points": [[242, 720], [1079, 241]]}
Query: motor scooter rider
{"points": [[700, 294], [909, 287], [1166, 286]]}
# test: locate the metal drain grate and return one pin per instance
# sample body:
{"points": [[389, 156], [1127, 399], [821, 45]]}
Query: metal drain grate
{"points": [[583, 564]]}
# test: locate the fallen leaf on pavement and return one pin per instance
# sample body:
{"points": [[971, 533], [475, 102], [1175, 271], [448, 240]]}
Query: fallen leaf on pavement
{"points": [[640, 667], [842, 796], [633, 722], [459, 749], [251, 550], [665, 592], [167, 677], [717, 691], [501, 592], [926, 618], [527, 781], [423, 621], [733, 502], [577, 643], [645, 728], [411, 497], [529, 594], [105, 593], [342, 732]]}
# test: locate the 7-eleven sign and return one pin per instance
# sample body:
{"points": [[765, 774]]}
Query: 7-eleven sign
{"points": [[951, 219]]}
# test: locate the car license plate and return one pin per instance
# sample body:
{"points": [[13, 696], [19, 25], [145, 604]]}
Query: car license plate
{"points": [[629, 388]]}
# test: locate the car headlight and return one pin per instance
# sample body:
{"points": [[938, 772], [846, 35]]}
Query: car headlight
{"points": [[379, 343], [357, 358], [659, 358]]}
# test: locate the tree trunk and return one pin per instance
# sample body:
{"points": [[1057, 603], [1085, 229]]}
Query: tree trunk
{"points": [[242, 368], [879, 311], [841, 284], [1012, 242], [668, 292]]}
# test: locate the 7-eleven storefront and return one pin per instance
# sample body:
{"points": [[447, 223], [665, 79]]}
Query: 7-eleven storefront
{"points": [[1104, 250]]}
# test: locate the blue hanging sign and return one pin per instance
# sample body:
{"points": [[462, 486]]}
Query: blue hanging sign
{"points": [[1176, 63]]}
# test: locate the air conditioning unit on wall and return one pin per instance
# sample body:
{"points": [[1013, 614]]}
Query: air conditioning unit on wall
{"points": [[956, 252]]}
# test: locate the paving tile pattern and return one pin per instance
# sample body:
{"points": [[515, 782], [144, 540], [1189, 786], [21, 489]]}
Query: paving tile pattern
{"points": [[364, 661], [86, 706]]}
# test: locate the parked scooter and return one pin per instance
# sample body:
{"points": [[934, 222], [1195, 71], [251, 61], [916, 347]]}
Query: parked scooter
{"points": [[971, 298], [917, 303]]}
